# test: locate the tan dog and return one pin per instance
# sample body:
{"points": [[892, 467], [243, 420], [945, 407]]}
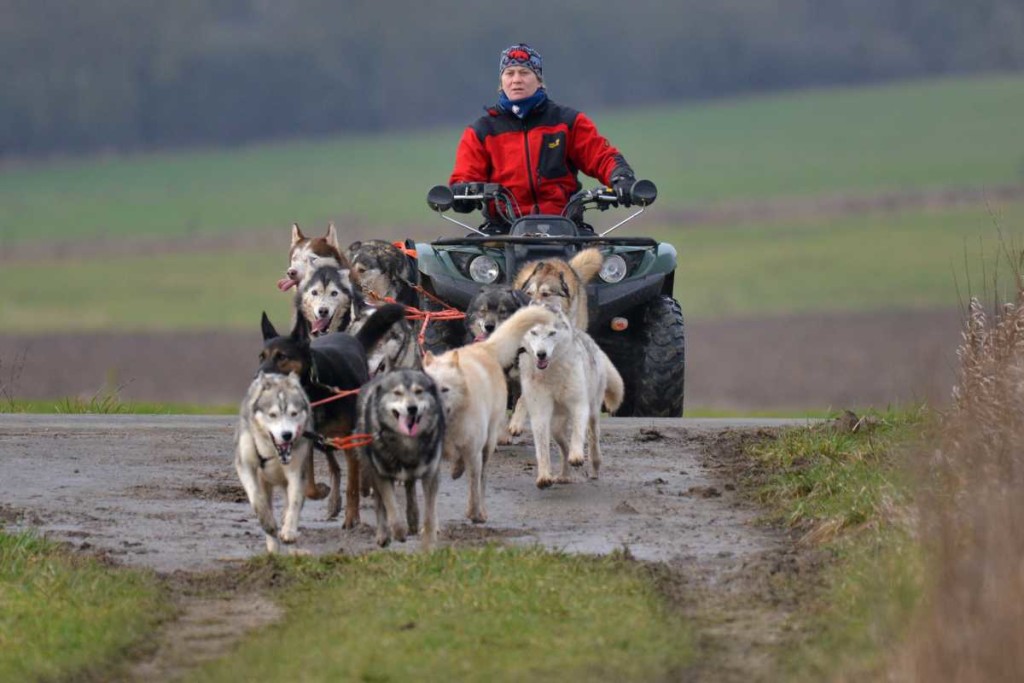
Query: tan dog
{"points": [[562, 281], [551, 282], [474, 394], [309, 253]]}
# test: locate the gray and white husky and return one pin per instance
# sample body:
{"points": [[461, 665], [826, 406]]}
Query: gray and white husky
{"points": [[402, 411], [329, 301], [271, 449]]}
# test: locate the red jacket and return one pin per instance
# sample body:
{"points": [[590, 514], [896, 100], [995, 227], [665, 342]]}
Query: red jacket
{"points": [[536, 158]]}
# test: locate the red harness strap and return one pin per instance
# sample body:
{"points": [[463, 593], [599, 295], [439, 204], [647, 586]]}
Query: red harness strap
{"points": [[412, 313], [347, 443], [335, 397]]}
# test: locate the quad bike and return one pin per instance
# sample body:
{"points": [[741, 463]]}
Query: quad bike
{"points": [[633, 315]]}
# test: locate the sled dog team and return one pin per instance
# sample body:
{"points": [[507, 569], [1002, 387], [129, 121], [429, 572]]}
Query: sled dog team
{"points": [[405, 411]]}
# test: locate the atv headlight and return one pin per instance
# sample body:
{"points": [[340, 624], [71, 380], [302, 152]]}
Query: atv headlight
{"points": [[613, 269], [484, 269]]}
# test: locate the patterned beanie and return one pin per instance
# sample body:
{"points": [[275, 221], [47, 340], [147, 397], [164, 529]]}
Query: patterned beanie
{"points": [[521, 54]]}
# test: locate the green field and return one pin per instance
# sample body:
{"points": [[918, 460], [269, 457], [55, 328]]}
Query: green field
{"points": [[912, 259], [948, 132], [797, 146]]}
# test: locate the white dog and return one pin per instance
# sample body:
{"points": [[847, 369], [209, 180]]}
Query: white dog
{"points": [[475, 395], [565, 377], [271, 449]]}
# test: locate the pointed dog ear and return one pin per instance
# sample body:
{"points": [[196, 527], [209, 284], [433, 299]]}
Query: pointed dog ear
{"points": [[428, 358], [332, 236], [300, 333], [297, 235], [268, 328]]}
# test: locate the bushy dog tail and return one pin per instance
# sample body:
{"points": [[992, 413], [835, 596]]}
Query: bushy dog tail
{"points": [[378, 324], [587, 264], [505, 340], [615, 390]]}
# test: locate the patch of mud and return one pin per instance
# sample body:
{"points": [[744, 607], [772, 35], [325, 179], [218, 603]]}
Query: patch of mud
{"points": [[745, 608], [163, 494], [210, 619]]}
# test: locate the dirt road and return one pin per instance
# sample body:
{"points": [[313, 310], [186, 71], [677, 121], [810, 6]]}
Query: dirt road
{"points": [[161, 492]]}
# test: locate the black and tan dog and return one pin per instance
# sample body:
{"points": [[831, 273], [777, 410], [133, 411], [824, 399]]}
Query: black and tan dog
{"points": [[324, 365], [382, 270]]}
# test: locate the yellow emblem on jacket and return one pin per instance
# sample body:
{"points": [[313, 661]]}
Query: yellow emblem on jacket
{"points": [[556, 143]]}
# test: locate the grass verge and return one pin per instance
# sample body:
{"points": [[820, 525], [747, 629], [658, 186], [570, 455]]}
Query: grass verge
{"points": [[70, 405], [487, 614], [846, 492], [65, 616]]}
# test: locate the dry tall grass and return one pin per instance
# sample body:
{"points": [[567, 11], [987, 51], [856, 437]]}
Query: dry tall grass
{"points": [[971, 627]]}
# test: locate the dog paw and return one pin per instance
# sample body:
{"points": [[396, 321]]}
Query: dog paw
{"points": [[318, 492], [563, 480], [288, 537], [544, 482], [351, 522], [576, 459], [383, 540], [478, 517], [399, 532]]}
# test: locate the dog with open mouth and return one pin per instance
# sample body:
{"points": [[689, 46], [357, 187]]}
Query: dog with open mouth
{"points": [[566, 377], [272, 450], [402, 411], [329, 301], [325, 365]]}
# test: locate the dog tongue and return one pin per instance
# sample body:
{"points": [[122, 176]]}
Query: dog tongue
{"points": [[410, 426], [480, 337], [320, 325], [285, 283], [542, 363]]}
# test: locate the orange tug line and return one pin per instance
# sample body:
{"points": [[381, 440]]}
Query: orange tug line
{"points": [[346, 443]]}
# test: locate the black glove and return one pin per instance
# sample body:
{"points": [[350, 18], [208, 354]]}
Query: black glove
{"points": [[463, 205], [623, 186]]}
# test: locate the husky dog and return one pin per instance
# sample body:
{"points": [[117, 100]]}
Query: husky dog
{"points": [[329, 301], [324, 365], [398, 348], [474, 394], [564, 282], [565, 377], [489, 307], [402, 411], [271, 450], [309, 253], [382, 270]]}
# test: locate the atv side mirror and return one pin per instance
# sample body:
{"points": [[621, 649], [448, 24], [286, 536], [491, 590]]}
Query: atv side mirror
{"points": [[440, 198], [644, 192]]}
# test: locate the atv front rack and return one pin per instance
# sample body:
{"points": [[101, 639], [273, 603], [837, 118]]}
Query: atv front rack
{"points": [[545, 239]]}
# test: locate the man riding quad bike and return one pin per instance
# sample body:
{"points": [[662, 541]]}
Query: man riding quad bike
{"points": [[633, 316]]}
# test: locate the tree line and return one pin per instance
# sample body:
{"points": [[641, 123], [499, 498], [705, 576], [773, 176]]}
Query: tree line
{"points": [[145, 74]]}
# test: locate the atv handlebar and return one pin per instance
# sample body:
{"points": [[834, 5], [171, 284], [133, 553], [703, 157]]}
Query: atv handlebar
{"points": [[441, 197]]}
